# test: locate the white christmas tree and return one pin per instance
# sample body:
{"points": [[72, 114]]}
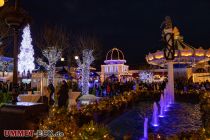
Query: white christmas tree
{"points": [[26, 56]]}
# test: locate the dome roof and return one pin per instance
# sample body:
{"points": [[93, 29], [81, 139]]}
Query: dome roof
{"points": [[115, 55]]}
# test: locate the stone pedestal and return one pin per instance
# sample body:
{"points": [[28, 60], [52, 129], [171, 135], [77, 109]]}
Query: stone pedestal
{"points": [[87, 99], [21, 116], [72, 98]]}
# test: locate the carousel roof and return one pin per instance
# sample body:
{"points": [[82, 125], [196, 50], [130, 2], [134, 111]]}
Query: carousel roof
{"points": [[115, 56], [184, 53]]}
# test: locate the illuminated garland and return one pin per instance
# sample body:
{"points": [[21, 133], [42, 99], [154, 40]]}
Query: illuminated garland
{"points": [[26, 58], [52, 54], [85, 67], [67, 122], [146, 77], [63, 121]]}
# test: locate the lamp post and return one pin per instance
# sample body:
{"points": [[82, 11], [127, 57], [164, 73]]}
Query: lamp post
{"points": [[62, 61], [76, 57], [15, 18]]}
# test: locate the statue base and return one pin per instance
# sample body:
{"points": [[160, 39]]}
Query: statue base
{"points": [[87, 99]]}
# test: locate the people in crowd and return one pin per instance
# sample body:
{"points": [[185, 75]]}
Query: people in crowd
{"points": [[63, 95], [52, 91]]}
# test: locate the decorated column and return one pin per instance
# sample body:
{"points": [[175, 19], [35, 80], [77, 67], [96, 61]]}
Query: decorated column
{"points": [[169, 53]]}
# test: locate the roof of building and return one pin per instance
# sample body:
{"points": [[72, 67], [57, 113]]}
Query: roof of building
{"points": [[115, 56]]}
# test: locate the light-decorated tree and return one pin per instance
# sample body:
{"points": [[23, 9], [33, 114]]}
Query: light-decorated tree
{"points": [[52, 54], [52, 41], [85, 68], [26, 56], [89, 48]]}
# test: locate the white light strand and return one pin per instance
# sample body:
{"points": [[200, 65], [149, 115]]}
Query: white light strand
{"points": [[146, 77], [26, 56], [53, 55], [85, 67]]}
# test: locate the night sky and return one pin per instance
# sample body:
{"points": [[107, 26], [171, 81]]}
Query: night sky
{"points": [[131, 25]]}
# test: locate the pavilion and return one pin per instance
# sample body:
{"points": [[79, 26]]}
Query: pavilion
{"points": [[115, 66]]}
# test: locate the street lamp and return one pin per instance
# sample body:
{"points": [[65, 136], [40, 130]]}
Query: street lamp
{"points": [[1, 3], [62, 59], [76, 57], [15, 17]]}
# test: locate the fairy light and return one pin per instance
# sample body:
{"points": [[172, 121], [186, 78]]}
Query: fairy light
{"points": [[85, 68], [52, 54], [26, 56], [146, 77]]}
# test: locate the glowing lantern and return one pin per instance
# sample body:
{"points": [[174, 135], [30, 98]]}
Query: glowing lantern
{"points": [[176, 32], [150, 57], [159, 54], [176, 53], [186, 52], [200, 52], [208, 53], [1, 3]]}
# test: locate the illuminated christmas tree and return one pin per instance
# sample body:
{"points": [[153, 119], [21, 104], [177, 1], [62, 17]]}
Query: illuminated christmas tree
{"points": [[26, 56]]}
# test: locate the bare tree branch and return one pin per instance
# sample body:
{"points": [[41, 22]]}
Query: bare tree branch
{"points": [[53, 36], [86, 42]]}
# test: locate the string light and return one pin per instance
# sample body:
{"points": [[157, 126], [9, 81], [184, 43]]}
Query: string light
{"points": [[52, 54], [146, 77], [26, 56], [85, 68]]}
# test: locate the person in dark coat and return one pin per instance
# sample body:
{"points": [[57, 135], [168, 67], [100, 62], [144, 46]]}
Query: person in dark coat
{"points": [[52, 90], [63, 95]]}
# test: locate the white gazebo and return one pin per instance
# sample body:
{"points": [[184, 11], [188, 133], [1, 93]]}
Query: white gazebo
{"points": [[115, 66]]}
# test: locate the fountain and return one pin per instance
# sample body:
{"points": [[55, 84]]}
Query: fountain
{"points": [[155, 115], [161, 106], [168, 95], [145, 129], [165, 99]]}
